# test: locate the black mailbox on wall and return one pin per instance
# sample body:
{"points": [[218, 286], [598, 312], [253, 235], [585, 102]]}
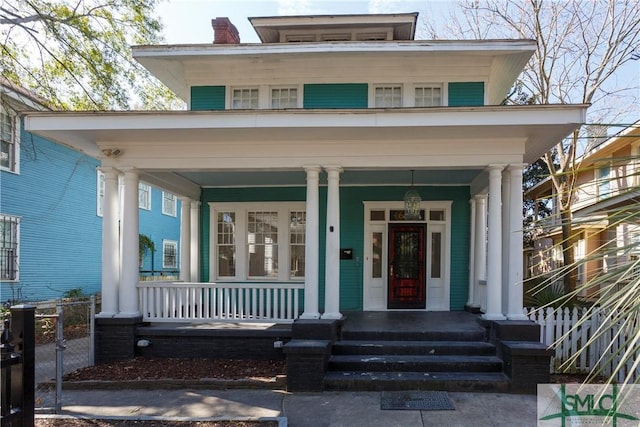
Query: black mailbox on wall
{"points": [[346, 253]]}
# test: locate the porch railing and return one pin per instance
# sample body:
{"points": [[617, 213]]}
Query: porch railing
{"points": [[275, 302]]}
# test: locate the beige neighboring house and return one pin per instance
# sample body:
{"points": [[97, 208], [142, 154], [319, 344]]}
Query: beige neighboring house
{"points": [[607, 180]]}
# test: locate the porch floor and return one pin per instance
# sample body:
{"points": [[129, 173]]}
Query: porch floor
{"points": [[423, 324]]}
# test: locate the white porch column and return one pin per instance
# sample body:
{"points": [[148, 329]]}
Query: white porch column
{"points": [[312, 245], [506, 218], [195, 239], [515, 276], [472, 253], [130, 243], [481, 246], [185, 239], [110, 244], [332, 258], [494, 243]]}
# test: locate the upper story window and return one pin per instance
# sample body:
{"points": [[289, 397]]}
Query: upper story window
{"points": [[144, 196], [244, 98], [603, 179], [9, 235], [388, 96], [169, 204], [9, 140], [428, 96], [284, 97]]}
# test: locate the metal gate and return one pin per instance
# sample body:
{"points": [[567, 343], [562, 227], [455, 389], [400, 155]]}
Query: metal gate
{"points": [[64, 343]]}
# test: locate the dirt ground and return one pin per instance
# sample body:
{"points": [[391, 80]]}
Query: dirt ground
{"points": [[142, 368]]}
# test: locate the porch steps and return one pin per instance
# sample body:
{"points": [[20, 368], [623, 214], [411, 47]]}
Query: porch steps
{"points": [[415, 360]]}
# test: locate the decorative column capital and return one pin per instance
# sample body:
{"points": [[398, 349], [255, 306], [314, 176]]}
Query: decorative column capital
{"points": [[195, 204], [312, 169], [333, 169], [495, 168]]}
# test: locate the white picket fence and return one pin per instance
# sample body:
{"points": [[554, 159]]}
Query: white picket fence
{"points": [[220, 302], [565, 331]]}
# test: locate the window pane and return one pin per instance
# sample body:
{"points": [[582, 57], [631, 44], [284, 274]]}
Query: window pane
{"points": [[7, 142], [8, 248], [428, 97], [436, 255], [169, 202], [245, 99], [436, 215], [226, 244], [297, 226], [284, 98], [388, 96], [170, 255], [144, 196], [376, 261], [262, 240], [377, 216]]}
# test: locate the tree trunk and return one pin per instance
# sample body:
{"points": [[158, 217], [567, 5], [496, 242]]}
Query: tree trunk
{"points": [[569, 279]]}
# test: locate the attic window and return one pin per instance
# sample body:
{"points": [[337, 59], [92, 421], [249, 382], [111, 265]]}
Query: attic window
{"points": [[335, 37], [300, 38]]}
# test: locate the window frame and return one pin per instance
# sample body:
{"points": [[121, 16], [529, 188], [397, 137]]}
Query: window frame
{"points": [[14, 222], [428, 86], [241, 244], [280, 88], [170, 243], [174, 203], [232, 93], [143, 186], [373, 94], [14, 143]]}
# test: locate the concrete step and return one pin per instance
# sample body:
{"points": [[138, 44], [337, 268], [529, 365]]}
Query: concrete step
{"points": [[355, 347], [474, 334], [493, 382], [415, 363]]}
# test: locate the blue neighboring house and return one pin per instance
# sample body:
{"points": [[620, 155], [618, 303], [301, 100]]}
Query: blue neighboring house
{"points": [[50, 212]]}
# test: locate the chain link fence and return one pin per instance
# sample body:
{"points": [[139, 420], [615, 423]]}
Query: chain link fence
{"points": [[64, 343]]}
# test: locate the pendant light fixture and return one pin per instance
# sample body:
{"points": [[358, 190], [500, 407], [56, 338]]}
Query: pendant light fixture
{"points": [[412, 202]]}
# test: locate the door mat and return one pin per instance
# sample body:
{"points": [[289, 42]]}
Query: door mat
{"points": [[416, 400]]}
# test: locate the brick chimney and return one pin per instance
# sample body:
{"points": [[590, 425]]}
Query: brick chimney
{"points": [[224, 31]]}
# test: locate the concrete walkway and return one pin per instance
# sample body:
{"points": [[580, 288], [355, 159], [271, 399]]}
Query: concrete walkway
{"points": [[326, 409]]}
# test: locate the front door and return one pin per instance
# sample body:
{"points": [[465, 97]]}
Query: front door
{"points": [[407, 285]]}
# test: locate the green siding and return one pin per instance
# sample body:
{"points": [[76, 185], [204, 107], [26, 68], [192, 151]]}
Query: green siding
{"points": [[352, 231], [336, 95], [207, 98], [466, 94]]}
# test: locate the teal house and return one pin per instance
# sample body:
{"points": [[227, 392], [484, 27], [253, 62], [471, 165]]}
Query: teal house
{"points": [[339, 165]]}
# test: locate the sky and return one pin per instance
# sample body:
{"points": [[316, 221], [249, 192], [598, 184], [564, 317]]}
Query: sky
{"points": [[189, 21]]}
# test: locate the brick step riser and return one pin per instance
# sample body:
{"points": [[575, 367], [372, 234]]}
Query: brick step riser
{"points": [[424, 349], [416, 366], [413, 336]]}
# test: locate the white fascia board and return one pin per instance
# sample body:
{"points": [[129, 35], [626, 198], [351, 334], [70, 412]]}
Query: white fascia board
{"points": [[230, 119], [205, 50]]}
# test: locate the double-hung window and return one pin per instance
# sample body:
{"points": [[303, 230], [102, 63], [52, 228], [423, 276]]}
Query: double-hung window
{"points": [[9, 237], [144, 196], [169, 204], [169, 254], [9, 140], [244, 98], [428, 96], [388, 96], [284, 97], [263, 241]]}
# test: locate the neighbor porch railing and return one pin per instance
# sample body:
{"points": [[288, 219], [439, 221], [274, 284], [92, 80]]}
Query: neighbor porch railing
{"points": [[275, 302], [565, 331]]}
